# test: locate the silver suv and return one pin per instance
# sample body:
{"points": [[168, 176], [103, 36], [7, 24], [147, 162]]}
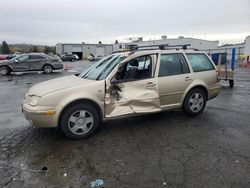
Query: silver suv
{"points": [[124, 84]]}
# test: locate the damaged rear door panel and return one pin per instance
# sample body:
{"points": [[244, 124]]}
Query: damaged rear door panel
{"points": [[133, 96]]}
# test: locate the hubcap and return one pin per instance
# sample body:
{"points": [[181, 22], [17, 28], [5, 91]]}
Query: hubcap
{"points": [[80, 122], [196, 102], [47, 69], [3, 71]]}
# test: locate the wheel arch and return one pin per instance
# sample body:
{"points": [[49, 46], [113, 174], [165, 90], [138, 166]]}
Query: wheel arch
{"points": [[8, 66], [84, 101], [200, 86]]}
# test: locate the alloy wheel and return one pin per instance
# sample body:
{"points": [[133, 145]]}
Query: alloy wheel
{"points": [[80, 122], [196, 102]]}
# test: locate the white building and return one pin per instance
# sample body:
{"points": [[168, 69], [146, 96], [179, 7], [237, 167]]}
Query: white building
{"points": [[193, 42], [247, 46], [84, 50]]}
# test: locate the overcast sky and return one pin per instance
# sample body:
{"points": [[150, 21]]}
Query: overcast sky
{"points": [[75, 21]]}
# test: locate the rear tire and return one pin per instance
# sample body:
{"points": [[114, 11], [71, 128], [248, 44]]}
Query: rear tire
{"points": [[195, 102], [79, 121], [4, 70], [47, 69]]}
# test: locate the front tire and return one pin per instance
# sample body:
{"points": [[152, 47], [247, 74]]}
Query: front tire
{"points": [[47, 69], [79, 121], [195, 102], [4, 70]]}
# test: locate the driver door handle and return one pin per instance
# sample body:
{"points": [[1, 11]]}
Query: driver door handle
{"points": [[187, 78], [150, 84]]}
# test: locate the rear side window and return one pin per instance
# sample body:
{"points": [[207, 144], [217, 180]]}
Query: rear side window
{"points": [[172, 64], [200, 62], [36, 57]]}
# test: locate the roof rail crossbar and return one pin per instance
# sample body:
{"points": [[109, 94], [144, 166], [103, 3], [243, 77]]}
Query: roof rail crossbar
{"points": [[161, 47], [183, 46]]}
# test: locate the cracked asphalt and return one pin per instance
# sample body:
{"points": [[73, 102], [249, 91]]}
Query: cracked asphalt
{"points": [[167, 149]]}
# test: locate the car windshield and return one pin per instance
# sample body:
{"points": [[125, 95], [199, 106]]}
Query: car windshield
{"points": [[102, 68]]}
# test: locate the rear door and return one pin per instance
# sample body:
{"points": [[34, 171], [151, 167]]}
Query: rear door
{"points": [[36, 62], [134, 88], [173, 78]]}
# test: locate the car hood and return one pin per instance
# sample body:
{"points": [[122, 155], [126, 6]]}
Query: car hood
{"points": [[57, 84]]}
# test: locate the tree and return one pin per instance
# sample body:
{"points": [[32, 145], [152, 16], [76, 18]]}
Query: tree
{"points": [[47, 50], [5, 48], [116, 42], [34, 49], [53, 50]]}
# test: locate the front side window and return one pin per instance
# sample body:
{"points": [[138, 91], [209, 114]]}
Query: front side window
{"points": [[22, 58], [136, 69], [172, 64], [200, 62]]}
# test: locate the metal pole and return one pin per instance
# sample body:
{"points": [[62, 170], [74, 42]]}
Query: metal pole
{"points": [[233, 59]]}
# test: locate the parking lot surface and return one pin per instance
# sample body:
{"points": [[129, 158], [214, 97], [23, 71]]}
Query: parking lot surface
{"points": [[167, 149]]}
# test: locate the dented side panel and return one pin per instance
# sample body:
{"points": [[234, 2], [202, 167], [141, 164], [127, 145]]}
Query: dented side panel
{"points": [[132, 97]]}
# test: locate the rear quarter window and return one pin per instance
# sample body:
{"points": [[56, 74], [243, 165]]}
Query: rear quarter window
{"points": [[200, 62]]}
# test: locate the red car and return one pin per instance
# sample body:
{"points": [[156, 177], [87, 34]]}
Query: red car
{"points": [[2, 58]]}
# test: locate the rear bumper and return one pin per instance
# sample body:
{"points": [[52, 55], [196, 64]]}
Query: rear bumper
{"points": [[58, 66], [41, 116], [214, 92]]}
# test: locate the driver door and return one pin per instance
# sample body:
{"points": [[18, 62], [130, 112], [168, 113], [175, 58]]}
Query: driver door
{"points": [[21, 63], [133, 88]]}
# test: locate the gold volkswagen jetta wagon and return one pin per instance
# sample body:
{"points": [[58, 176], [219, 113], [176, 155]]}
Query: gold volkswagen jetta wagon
{"points": [[123, 84]]}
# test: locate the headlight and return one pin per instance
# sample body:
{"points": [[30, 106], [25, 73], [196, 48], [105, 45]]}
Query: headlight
{"points": [[33, 100]]}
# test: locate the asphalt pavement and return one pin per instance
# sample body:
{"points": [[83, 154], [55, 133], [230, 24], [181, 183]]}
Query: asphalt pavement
{"points": [[167, 149]]}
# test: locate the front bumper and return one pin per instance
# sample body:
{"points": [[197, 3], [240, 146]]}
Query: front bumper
{"points": [[41, 116]]}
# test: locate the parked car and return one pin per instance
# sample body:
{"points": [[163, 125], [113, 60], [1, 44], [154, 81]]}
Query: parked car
{"points": [[122, 85], [76, 56], [2, 57], [69, 57], [11, 56], [95, 58], [30, 62]]}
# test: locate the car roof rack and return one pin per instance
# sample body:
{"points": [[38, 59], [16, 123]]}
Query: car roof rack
{"points": [[135, 48], [161, 47]]}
